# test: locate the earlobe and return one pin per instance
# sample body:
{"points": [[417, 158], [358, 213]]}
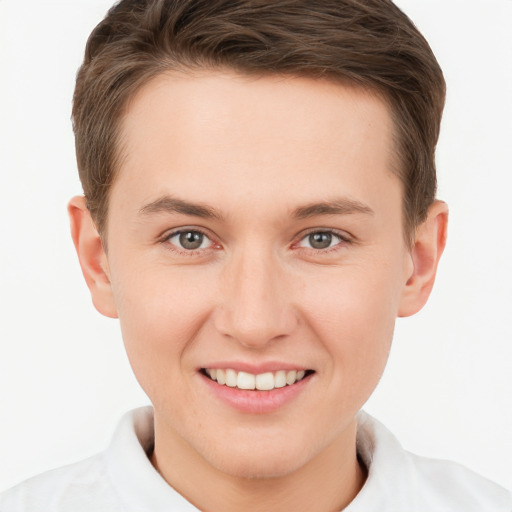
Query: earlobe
{"points": [[425, 254], [92, 256]]}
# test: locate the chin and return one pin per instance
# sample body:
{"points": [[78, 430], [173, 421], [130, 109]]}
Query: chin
{"points": [[251, 469], [257, 460]]}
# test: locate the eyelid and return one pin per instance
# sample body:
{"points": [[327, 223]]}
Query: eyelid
{"points": [[167, 235], [344, 238]]}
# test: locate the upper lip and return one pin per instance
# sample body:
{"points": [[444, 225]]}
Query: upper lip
{"points": [[255, 368]]}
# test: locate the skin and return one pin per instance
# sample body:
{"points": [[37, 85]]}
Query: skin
{"points": [[257, 152]]}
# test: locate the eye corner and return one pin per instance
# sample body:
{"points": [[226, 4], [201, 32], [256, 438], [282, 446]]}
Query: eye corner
{"points": [[189, 241], [324, 240]]}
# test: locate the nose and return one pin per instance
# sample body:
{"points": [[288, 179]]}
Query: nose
{"points": [[256, 306]]}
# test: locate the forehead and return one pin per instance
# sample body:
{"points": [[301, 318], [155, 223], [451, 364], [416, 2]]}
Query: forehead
{"points": [[215, 133]]}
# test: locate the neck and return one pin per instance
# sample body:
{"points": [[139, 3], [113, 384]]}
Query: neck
{"points": [[326, 483]]}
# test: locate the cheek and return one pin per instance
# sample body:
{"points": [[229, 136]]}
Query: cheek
{"points": [[161, 314], [353, 315]]}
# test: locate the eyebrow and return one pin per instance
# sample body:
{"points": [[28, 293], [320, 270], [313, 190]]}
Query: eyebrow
{"points": [[169, 204], [340, 206]]}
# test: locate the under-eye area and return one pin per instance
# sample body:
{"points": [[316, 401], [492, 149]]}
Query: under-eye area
{"points": [[261, 382]]}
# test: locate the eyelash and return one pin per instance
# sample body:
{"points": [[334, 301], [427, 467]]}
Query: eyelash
{"points": [[343, 240], [166, 239]]}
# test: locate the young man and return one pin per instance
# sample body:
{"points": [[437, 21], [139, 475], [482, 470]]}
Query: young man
{"points": [[259, 208]]}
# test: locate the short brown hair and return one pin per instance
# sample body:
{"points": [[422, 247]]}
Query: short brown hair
{"points": [[370, 43]]}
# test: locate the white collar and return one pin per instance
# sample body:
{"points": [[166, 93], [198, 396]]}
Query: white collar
{"points": [[138, 484], [398, 481]]}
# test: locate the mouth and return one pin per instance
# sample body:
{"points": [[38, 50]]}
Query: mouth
{"points": [[267, 381]]}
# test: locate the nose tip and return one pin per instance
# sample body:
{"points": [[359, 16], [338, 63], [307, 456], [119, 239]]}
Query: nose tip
{"points": [[255, 330], [257, 307]]}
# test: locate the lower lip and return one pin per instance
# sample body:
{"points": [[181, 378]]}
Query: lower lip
{"points": [[256, 402]]}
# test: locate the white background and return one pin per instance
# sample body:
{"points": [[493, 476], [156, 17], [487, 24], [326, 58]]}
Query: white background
{"points": [[64, 378]]}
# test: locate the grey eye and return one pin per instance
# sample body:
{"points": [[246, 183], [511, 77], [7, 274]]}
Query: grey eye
{"points": [[190, 240], [320, 240]]}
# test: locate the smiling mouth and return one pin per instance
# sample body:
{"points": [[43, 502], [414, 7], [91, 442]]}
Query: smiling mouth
{"points": [[260, 382]]}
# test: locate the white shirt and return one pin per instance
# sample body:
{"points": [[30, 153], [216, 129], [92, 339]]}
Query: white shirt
{"points": [[122, 479]]}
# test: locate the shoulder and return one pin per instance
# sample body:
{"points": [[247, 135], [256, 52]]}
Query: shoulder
{"points": [[457, 487], [120, 479], [79, 487], [403, 481], [89, 484]]}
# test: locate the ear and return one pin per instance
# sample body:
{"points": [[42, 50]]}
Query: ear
{"points": [[92, 256], [428, 247]]}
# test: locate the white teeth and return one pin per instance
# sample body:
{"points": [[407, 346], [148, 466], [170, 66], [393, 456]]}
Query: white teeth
{"points": [[231, 378], [245, 381], [280, 379], [291, 377], [221, 377], [262, 382], [265, 381]]}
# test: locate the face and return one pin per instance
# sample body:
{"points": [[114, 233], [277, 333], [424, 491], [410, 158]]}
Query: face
{"points": [[255, 235]]}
